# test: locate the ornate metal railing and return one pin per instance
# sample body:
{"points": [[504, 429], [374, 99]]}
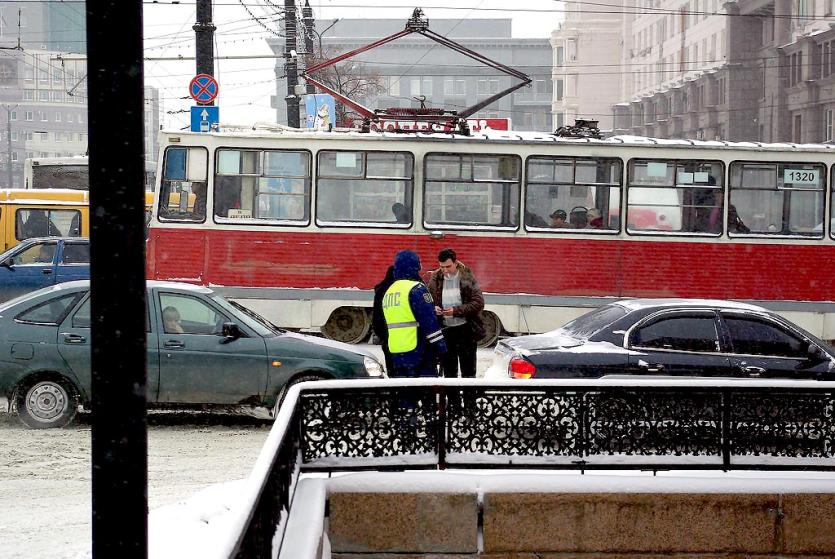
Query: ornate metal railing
{"points": [[430, 423]]}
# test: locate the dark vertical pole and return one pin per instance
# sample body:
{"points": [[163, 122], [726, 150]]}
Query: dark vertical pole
{"points": [[117, 279], [309, 29], [204, 35], [292, 64], [9, 144]]}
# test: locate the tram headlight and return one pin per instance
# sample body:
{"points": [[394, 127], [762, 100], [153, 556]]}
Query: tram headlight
{"points": [[373, 367]]}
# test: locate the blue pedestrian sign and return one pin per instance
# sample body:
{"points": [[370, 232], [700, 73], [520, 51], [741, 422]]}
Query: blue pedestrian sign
{"points": [[204, 118], [203, 88]]}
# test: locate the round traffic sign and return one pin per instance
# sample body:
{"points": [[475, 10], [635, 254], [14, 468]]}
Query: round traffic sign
{"points": [[203, 88]]}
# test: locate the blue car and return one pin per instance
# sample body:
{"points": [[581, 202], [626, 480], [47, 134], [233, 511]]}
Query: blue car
{"points": [[42, 262]]}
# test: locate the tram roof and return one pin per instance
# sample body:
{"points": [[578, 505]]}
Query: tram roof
{"points": [[277, 131]]}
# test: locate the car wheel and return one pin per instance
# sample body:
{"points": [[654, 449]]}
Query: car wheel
{"points": [[283, 393], [348, 324], [47, 403], [492, 329]]}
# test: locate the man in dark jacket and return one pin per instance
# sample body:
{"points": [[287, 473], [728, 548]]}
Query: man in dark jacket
{"points": [[378, 320], [414, 337], [458, 299]]}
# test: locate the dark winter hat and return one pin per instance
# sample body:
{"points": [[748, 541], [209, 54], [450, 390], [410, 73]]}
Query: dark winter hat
{"points": [[558, 213], [406, 264]]}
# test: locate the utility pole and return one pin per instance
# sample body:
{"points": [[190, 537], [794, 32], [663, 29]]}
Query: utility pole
{"points": [[291, 63], [9, 110], [204, 34], [309, 24]]}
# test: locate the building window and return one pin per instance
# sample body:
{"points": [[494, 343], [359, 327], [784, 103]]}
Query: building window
{"points": [[43, 136], [14, 135], [454, 87], [560, 89], [827, 124], [29, 115], [559, 55], [797, 129], [44, 118], [13, 115], [14, 156], [394, 86], [69, 117], [43, 96], [28, 95], [795, 68], [57, 117]]}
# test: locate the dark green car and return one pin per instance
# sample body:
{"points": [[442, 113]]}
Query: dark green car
{"points": [[202, 350]]}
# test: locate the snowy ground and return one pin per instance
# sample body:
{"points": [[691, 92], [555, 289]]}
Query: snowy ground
{"points": [[45, 475]]}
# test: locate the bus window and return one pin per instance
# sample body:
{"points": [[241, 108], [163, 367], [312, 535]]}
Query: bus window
{"points": [[472, 190], [675, 196], [776, 199], [364, 186], [565, 193], [262, 186], [37, 222], [183, 185]]}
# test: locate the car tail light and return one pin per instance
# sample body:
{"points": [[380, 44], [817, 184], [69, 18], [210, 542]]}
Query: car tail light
{"points": [[521, 368]]}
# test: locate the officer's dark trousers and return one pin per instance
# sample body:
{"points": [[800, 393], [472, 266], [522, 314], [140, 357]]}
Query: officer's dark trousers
{"points": [[460, 347]]}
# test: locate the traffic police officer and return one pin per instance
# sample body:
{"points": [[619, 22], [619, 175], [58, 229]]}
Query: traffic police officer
{"points": [[414, 337]]}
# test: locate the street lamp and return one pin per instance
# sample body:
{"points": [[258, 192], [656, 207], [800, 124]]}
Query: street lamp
{"points": [[320, 33]]}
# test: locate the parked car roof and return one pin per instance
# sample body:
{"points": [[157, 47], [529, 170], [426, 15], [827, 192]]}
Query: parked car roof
{"points": [[638, 304], [151, 284]]}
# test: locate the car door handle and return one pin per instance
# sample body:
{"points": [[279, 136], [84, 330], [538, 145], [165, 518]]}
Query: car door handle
{"points": [[650, 367], [173, 344], [46, 271], [751, 370], [73, 338]]}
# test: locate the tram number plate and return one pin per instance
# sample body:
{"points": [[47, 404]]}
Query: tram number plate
{"points": [[801, 176]]}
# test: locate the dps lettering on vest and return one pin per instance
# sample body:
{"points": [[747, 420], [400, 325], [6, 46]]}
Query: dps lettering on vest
{"points": [[400, 320]]}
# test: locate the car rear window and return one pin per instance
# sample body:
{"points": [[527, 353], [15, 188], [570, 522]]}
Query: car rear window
{"points": [[49, 312], [594, 321]]}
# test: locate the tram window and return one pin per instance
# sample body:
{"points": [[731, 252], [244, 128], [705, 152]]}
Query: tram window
{"points": [[831, 208], [182, 193], [563, 194], [776, 199], [472, 190], [372, 187], [262, 186], [682, 196]]}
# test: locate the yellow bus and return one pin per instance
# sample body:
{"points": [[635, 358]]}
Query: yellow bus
{"points": [[28, 213]]}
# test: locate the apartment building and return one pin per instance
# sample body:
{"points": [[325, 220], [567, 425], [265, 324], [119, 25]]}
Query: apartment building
{"points": [[759, 70]]}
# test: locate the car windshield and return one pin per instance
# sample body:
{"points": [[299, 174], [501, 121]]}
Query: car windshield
{"points": [[594, 321], [252, 319]]}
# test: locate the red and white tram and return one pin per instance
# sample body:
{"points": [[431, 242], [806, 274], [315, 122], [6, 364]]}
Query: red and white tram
{"points": [[300, 225]]}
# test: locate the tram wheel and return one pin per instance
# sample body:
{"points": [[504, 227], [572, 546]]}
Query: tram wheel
{"points": [[492, 329], [347, 324]]}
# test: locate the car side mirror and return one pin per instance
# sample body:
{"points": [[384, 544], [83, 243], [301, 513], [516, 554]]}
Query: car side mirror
{"points": [[8, 262], [231, 332]]}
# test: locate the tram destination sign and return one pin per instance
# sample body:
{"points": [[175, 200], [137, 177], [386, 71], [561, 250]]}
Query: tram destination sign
{"points": [[475, 124]]}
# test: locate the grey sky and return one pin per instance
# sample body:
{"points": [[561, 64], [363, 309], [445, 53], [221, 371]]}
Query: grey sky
{"points": [[246, 85]]}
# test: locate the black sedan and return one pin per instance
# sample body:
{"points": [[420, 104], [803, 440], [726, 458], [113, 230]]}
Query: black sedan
{"points": [[669, 338]]}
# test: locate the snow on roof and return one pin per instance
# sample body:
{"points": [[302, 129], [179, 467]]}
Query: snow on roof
{"points": [[497, 135], [635, 304]]}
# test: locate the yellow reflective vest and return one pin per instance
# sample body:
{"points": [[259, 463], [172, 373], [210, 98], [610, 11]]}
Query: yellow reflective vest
{"points": [[400, 320]]}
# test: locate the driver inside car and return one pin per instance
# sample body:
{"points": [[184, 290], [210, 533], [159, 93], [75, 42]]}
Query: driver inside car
{"points": [[171, 320]]}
